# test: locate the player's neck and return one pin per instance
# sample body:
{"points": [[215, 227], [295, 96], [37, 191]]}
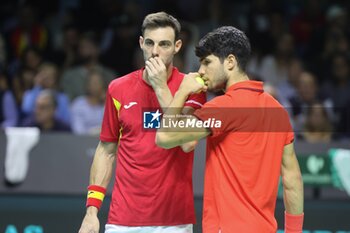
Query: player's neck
{"points": [[236, 77]]}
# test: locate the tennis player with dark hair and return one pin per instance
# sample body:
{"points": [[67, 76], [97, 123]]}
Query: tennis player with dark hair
{"points": [[153, 187], [248, 148]]}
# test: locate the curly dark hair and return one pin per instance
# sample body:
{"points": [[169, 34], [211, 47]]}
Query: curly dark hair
{"points": [[224, 41]]}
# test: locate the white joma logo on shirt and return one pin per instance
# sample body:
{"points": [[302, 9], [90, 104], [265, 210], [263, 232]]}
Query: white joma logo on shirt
{"points": [[130, 105]]}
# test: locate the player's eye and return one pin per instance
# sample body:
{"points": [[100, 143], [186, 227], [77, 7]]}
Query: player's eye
{"points": [[149, 43], [205, 62], [165, 44]]}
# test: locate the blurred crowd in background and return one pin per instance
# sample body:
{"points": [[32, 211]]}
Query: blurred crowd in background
{"points": [[57, 57]]}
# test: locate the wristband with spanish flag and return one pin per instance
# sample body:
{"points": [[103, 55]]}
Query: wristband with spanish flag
{"points": [[293, 223], [95, 196]]}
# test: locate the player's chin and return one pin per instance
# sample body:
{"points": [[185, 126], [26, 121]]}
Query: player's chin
{"points": [[212, 88]]}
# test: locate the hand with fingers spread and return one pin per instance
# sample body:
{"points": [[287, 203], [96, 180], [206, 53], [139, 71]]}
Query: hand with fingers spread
{"points": [[190, 84], [156, 72]]}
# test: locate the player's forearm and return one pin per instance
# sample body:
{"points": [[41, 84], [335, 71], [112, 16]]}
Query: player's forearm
{"points": [[168, 137], [293, 190], [164, 97], [177, 103], [102, 166], [174, 136], [293, 193]]}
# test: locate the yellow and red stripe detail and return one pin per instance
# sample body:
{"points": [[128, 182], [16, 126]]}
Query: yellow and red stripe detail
{"points": [[95, 196]]}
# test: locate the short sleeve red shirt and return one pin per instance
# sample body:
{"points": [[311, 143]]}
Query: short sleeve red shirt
{"points": [[243, 159], [153, 186]]}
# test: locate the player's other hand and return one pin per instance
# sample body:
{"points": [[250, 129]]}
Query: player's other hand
{"points": [[90, 224], [190, 85], [156, 72]]}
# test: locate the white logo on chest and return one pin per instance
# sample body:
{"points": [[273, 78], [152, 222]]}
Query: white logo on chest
{"points": [[130, 105]]}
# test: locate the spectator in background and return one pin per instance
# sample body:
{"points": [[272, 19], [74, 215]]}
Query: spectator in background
{"points": [[186, 61], [318, 127], [337, 19], [120, 38], [338, 87], [24, 80], [264, 34], [44, 115], [308, 93], [333, 38], [24, 70], [47, 78], [262, 24], [288, 88], [274, 68], [31, 58], [27, 32], [259, 19], [74, 79], [87, 110], [277, 27], [309, 20], [66, 55], [3, 53], [8, 107], [334, 43]]}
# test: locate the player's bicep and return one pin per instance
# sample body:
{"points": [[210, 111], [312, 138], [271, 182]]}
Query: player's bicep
{"points": [[289, 157], [290, 167], [107, 149], [102, 165]]}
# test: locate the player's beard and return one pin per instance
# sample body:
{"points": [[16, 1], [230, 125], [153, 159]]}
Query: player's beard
{"points": [[219, 81]]}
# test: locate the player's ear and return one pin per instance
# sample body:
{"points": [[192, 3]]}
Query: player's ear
{"points": [[178, 45], [141, 42], [231, 62]]}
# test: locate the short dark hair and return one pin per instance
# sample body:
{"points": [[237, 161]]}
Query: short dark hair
{"points": [[224, 41], [159, 20]]}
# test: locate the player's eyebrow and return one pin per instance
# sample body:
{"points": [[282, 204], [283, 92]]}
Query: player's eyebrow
{"points": [[167, 42], [205, 60]]}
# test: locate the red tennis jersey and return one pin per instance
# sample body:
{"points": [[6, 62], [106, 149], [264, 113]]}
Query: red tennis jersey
{"points": [[153, 186], [243, 159]]}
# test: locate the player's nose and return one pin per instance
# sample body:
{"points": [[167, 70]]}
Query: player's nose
{"points": [[201, 70], [155, 51]]}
